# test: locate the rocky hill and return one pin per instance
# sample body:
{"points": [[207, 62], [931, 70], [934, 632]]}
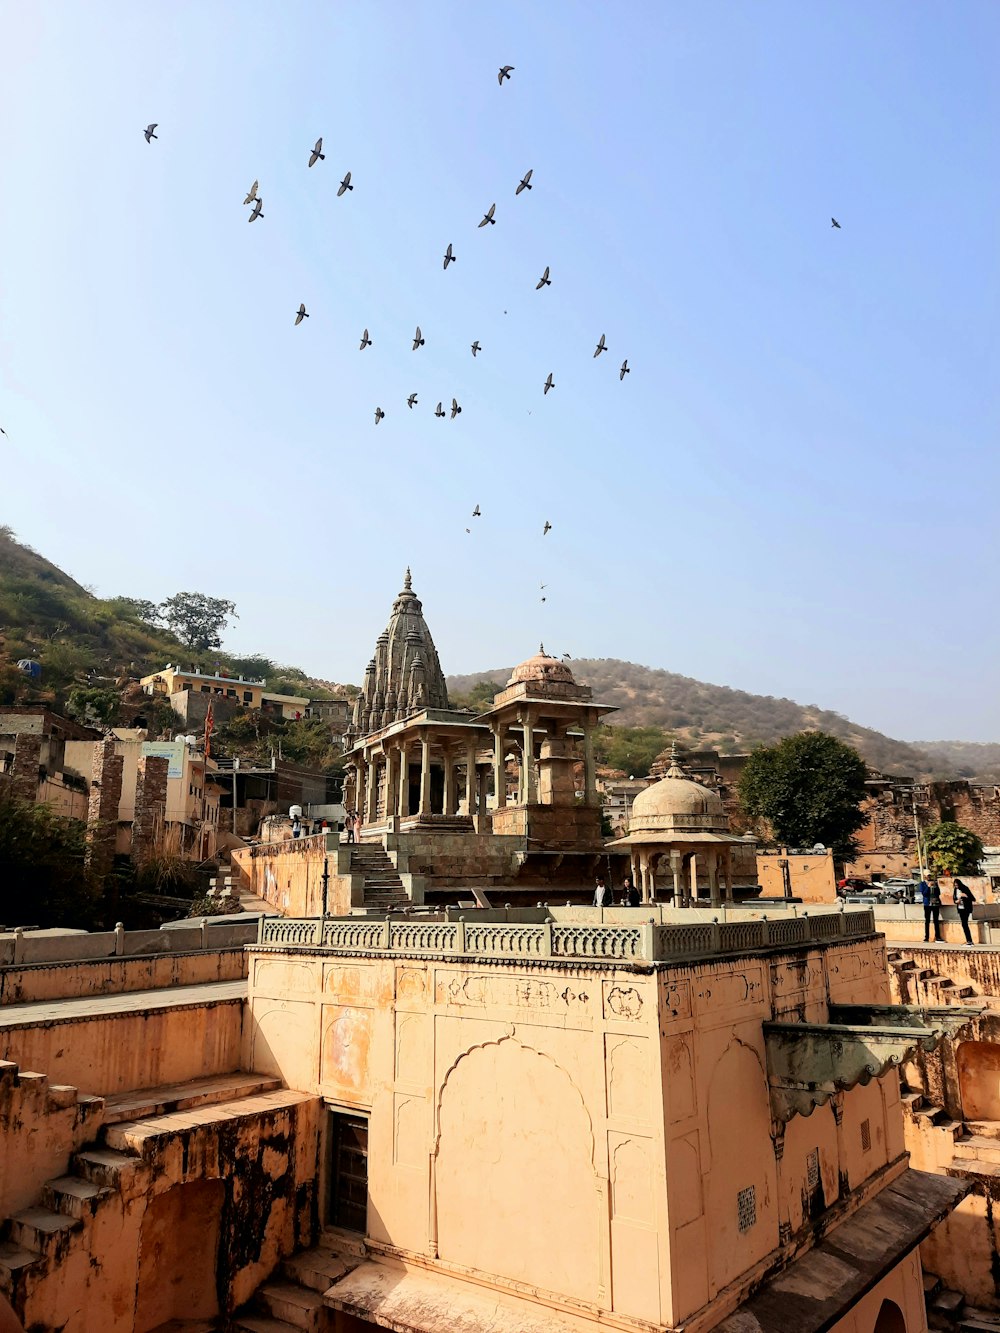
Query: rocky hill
{"points": [[699, 715]]}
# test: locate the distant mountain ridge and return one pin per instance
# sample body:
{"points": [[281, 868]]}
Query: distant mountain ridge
{"points": [[703, 715]]}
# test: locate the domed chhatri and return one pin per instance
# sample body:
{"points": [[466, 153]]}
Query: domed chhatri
{"points": [[541, 667], [677, 802], [543, 677]]}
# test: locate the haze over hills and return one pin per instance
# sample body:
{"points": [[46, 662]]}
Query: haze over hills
{"points": [[45, 614], [703, 715]]}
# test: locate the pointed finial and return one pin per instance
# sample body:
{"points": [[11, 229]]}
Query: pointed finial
{"points": [[675, 770], [407, 583], [541, 650]]}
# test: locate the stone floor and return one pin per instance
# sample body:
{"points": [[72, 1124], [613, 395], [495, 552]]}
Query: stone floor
{"points": [[94, 1006]]}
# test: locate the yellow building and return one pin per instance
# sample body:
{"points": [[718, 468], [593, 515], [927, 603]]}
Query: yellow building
{"points": [[241, 690]]}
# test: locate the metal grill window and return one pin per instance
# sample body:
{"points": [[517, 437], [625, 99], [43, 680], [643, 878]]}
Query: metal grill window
{"points": [[812, 1170], [349, 1173], [866, 1136], [746, 1208]]}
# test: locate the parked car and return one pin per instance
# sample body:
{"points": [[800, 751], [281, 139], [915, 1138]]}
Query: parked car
{"points": [[898, 889]]}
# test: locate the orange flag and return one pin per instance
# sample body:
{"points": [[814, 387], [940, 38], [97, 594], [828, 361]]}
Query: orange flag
{"points": [[209, 728]]}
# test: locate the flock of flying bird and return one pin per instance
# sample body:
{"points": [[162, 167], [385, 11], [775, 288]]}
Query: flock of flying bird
{"points": [[489, 219]]}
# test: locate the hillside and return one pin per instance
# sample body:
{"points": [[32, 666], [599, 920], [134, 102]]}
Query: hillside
{"points": [[701, 715], [964, 759]]}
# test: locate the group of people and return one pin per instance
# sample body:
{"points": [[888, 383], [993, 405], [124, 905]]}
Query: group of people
{"points": [[352, 822], [930, 895], [603, 897]]}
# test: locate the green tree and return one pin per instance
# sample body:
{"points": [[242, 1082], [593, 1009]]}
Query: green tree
{"points": [[809, 787], [43, 876], [89, 704], [139, 608], [631, 749], [951, 849], [197, 619]]}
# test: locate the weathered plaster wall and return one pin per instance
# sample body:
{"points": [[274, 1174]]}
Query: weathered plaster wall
{"points": [[978, 968], [811, 876], [114, 976], [115, 1052], [635, 1102], [902, 1289], [289, 875]]}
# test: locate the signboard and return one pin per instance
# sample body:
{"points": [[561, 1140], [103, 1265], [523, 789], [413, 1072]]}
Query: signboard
{"points": [[171, 751]]}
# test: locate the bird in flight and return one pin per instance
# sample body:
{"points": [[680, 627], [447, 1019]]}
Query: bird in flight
{"points": [[476, 513], [148, 132], [835, 223], [525, 182], [475, 347], [301, 314], [449, 257], [251, 193], [345, 184], [418, 339], [3, 432], [379, 414], [601, 347], [488, 217], [258, 210], [439, 411], [624, 370], [549, 383], [455, 409], [544, 280], [547, 528], [505, 71], [365, 340], [317, 154], [411, 401]]}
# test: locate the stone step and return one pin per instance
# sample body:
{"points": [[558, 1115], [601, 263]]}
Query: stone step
{"points": [[73, 1196], [139, 1137], [257, 1323], [912, 1101], [972, 1320], [932, 1285], [301, 1307], [41, 1229], [984, 1129], [144, 1102], [973, 1168], [978, 1147], [14, 1259], [318, 1269], [948, 1303], [104, 1166]]}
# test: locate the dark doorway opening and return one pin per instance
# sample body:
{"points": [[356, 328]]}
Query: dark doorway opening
{"points": [[348, 1198]]}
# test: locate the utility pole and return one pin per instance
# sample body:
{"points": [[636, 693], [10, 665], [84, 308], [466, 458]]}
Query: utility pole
{"points": [[326, 883], [916, 830]]}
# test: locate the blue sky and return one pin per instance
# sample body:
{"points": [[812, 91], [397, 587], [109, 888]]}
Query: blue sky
{"points": [[792, 492]]}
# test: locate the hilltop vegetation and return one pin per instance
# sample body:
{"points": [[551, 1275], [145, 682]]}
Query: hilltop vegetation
{"points": [[698, 715]]}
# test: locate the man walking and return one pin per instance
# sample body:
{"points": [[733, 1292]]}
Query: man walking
{"points": [[602, 894], [930, 896], [964, 900]]}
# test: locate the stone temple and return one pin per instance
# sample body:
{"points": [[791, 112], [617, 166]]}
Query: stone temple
{"points": [[405, 675]]}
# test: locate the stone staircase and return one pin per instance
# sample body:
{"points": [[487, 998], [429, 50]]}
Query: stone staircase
{"points": [[53, 1233], [293, 1298], [948, 1312], [922, 985], [384, 891]]}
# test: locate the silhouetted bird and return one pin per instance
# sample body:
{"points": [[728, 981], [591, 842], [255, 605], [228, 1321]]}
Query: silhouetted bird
{"points": [[624, 370], [549, 383], [543, 281], [488, 217], [302, 314], [547, 528], [455, 409], [251, 193], [835, 223], [345, 184], [258, 210], [475, 347], [600, 347], [476, 513], [439, 411], [148, 132], [365, 340], [3, 432], [449, 258], [525, 182], [379, 414], [317, 154], [418, 339], [505, 72], [411, 400], [567, 657]]}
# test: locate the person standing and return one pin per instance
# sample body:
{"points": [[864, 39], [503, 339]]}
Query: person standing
{"points": [[930, 896], [964, 900], [602, 894], [630, 894]]}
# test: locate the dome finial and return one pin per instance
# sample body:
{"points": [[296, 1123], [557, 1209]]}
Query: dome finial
{"points": [[407, 581], [676, 769], [541, 649]]}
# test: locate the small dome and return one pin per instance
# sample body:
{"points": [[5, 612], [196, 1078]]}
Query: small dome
{"points": [[675, 795], [542, 667]]}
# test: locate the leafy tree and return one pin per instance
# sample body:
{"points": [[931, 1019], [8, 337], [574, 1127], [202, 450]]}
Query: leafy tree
{"points": [[139, 608], [197, 619], [479, 698], [90, 705], [809, 787], [631, 749], [255, 667], [43, 876], [951, 849]]}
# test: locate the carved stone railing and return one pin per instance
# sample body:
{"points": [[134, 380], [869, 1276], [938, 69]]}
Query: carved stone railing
{"points": [[642, 942]]}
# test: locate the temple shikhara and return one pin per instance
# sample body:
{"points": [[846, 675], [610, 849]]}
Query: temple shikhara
{"points": [[427, 1086]]}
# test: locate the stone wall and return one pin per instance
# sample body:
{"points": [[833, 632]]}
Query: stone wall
{"points": [[102, 810], [890, 813], [24, 772], [150, 804], [26, 983]]}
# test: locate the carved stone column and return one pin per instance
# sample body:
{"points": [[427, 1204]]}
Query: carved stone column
{"points": [[694, 879], [527, 758], [372, 789], [675, 868], [483, 774], [713, 879], [360, 791], [589, 769], [403, 795], [470, 780], [425, 774], [391, 783], [448, 800], [499, 770]]}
